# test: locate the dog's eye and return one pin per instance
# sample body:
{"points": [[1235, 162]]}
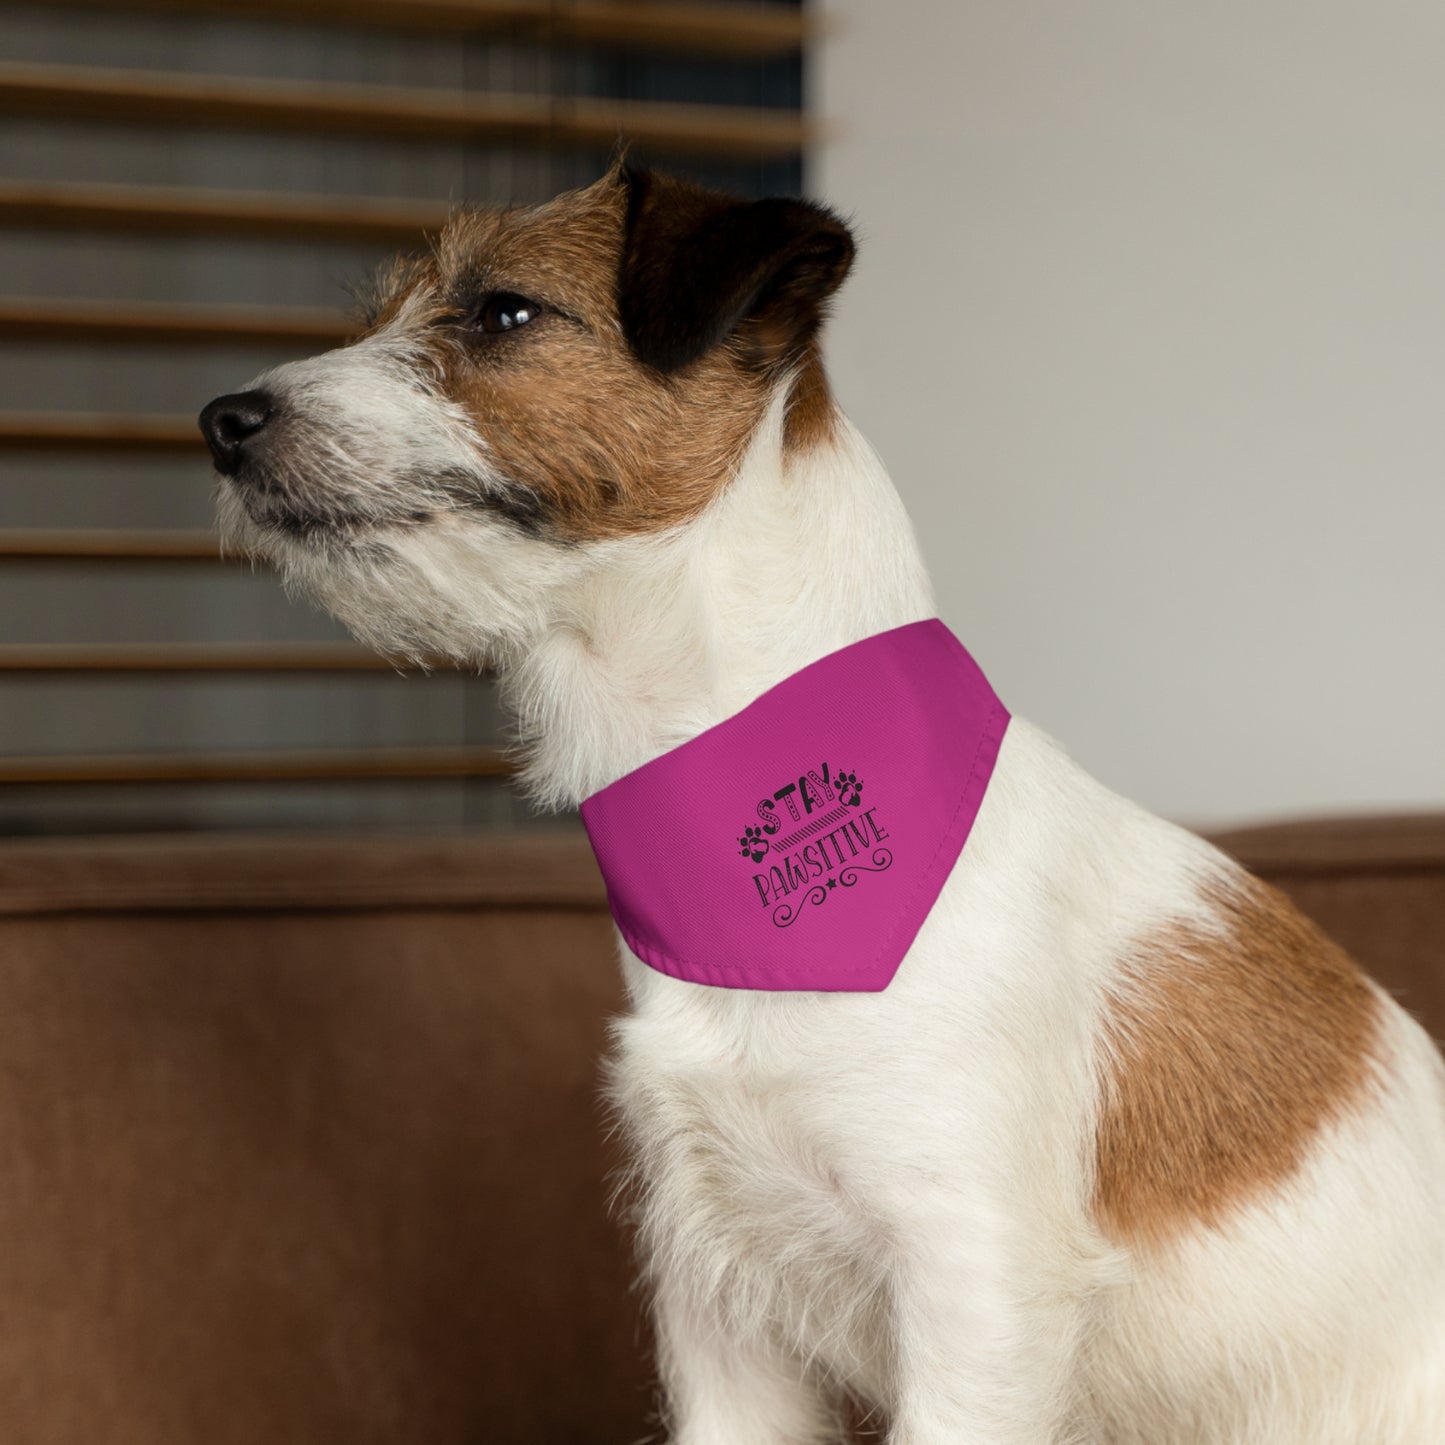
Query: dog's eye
{"points": [[505, 311]]}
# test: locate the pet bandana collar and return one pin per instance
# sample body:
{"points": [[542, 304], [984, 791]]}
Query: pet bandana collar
{"points": [[801, 843]]}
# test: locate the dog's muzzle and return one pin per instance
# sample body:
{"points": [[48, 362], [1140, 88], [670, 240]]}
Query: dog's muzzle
{"points": [[231, 424]]}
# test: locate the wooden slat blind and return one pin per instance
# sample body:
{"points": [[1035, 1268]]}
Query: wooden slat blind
{"points": [[272, 766], [222, 102], [172, 323], [704, 29], [80, 431], [216, 657], [81, 544], [168, 210], [312, 112]]}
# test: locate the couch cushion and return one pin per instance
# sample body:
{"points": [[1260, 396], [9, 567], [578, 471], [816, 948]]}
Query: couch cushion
{"points": [[301, 1142], [301, 1137]]}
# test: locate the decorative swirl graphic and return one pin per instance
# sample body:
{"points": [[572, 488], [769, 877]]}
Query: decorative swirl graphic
{"points": [[882, 862], [785, 914]]}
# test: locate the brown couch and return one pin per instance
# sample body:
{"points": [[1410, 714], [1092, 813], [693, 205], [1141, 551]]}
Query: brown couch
{"points": [[299, 1139]]}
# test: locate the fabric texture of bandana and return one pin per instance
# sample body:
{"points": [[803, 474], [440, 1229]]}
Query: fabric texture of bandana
{"points": [[801, 843]]}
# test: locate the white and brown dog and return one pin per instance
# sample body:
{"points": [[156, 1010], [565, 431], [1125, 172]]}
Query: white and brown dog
{"points": [[1126, 1152]]}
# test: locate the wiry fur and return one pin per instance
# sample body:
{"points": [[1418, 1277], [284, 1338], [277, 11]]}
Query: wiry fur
{"points": [[896, 1196]]}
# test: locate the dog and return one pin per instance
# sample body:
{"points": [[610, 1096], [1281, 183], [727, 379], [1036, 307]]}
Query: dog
{"points": [[1125, 1152]]}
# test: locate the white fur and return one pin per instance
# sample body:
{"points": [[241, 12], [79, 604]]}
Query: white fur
{"points": [[889, 1194]]}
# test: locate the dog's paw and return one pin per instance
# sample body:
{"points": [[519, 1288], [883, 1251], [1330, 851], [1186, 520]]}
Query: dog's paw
{"points": [[753, 845], [850, 789]]}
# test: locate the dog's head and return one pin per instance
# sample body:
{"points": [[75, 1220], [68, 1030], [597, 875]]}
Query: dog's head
{"points": [[546, 382]]}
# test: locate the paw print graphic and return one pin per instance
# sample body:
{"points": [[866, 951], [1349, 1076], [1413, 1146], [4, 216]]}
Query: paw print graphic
{"points": [[850, 789], [752, 844]]}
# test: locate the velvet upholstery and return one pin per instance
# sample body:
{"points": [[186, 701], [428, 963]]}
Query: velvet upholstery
{"points": [[300, 1137]]}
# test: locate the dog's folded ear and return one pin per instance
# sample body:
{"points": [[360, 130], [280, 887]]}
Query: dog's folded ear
{"points": [[699, 267]]}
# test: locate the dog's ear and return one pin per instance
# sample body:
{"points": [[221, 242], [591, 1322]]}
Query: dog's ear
{"points": [[698, 267]]}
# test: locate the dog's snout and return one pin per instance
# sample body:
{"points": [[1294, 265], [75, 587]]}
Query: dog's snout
{"points": [[229, 422]]}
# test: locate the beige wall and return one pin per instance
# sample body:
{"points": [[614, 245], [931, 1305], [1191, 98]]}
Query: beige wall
{"points": [[1149, 324]]}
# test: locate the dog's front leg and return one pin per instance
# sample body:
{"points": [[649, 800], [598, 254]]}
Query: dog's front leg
{"points": [[985, 1339], [723, 1388]]}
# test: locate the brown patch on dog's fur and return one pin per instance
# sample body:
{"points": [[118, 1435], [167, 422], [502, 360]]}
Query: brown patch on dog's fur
{"points": [[1227, 1053], [596, 443], [601, 447], [812, 417]]}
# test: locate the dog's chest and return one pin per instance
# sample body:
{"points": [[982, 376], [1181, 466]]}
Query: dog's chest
{"points": [[747, 1181]]}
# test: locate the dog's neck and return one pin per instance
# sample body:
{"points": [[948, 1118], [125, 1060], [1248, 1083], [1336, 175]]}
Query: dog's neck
{"points": [[804, 553]]}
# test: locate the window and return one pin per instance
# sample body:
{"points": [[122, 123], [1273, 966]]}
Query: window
{"points": [[188, 190]]}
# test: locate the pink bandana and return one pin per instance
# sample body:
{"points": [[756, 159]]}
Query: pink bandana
{"points": [[801, 843]]}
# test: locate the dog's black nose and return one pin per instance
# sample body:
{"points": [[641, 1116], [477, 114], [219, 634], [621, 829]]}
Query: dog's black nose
{"points": [[229, 422]]}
